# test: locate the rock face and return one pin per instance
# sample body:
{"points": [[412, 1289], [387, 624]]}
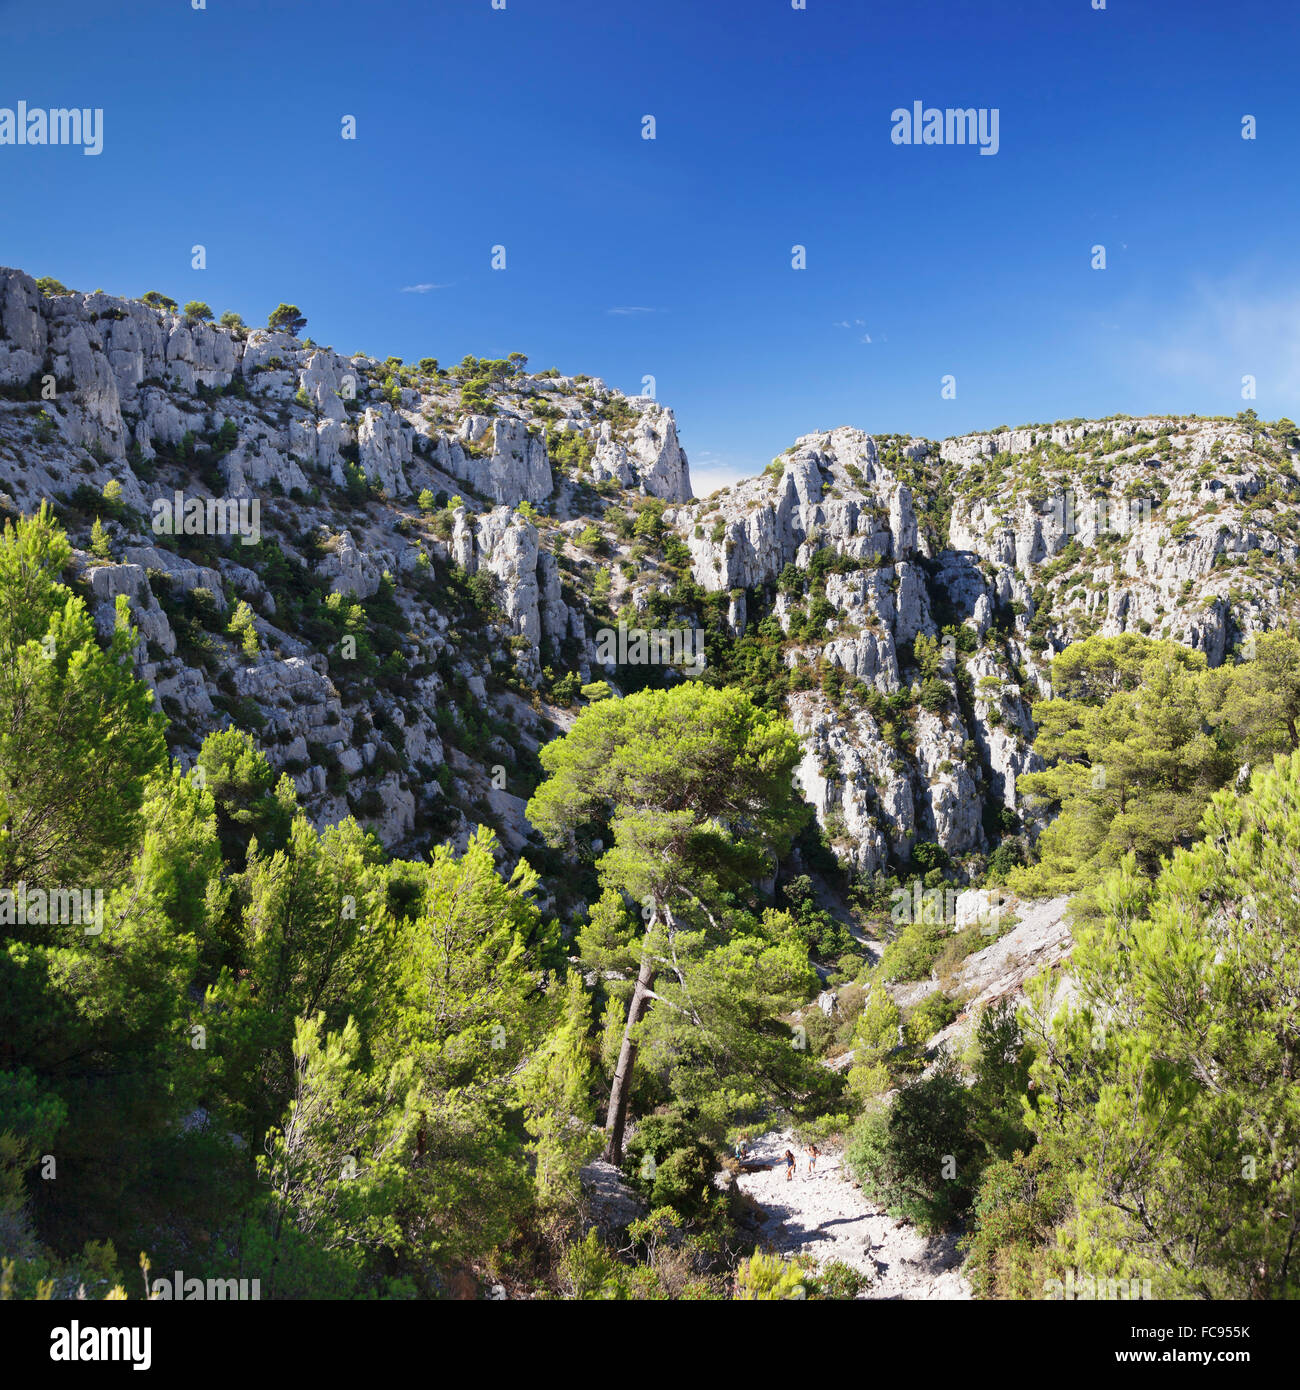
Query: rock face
{"points": [[650, 457], [506, 462], [1039, 941], [336, 455], [877, 796], [1024, 541], [611, 1205], [127, 378], [427, 562], [831, 491], [1140, 516]]}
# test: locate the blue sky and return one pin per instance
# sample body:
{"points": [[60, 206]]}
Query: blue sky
{"points": [[672, 257]]}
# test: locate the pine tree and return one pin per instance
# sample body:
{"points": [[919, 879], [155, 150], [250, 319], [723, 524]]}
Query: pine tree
{"points": [[466, 1005], [286, 318], [1132, 761], [1261, 697], [244, 626], [694, 786], [79, 736], [1172, 1082], [335, 1165], [101, 544], [556, 1091]]}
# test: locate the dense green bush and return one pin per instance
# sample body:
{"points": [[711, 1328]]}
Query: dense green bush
{"points": [[912, 954], [667, 1163], [918, 1157]]}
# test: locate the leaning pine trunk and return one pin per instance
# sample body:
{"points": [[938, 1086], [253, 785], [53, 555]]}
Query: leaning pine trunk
{"points": [[616, 1116]]}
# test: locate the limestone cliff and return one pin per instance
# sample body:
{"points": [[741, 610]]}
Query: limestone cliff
{"points": [[431, 558]]}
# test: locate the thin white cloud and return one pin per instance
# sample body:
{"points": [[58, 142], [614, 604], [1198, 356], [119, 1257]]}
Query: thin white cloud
{"points": [[710, 471], [423, 288], [1225, 331], [631, 309]]}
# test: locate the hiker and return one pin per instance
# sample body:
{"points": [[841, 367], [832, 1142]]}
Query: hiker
{"points": [[789, 1166], [812, 1159]]}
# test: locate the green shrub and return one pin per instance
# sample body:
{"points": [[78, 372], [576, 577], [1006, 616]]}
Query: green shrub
{"points": [[934, 1013], [935, 695], [837, 1280], [918, 1156], [769, 1277], [1010, 1247], [911, 956], [669, 1165]]}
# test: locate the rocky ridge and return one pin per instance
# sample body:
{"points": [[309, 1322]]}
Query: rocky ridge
{"points": [[335, 453], [473, 530], [1029, 539]]}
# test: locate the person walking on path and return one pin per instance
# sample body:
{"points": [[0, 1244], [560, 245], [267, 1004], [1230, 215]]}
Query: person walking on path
{"points": [[789, 1166], [812, 1160]]}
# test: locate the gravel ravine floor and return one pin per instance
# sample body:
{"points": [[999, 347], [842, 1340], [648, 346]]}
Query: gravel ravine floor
{"points": [[826, 1216]]}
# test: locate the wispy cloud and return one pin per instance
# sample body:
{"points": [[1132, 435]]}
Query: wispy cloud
{"points": [[853, 323], [631, 309], [423, 289], [1226, 330], [710, 471]]}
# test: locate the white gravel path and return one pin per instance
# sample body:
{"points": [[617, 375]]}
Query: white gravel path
{"points": [[826, 1216]]}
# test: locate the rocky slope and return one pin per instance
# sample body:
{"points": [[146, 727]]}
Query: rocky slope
{"points": [[1025, 541], [332, 456], [434, 554]]}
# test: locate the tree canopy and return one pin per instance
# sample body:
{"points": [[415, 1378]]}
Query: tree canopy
{"points": [[1170, 1083], [286, 318], [695, 787], [1138, 736]]}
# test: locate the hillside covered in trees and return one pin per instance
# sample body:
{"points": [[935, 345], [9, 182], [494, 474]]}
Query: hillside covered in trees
{"points": [[422, 818]]}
